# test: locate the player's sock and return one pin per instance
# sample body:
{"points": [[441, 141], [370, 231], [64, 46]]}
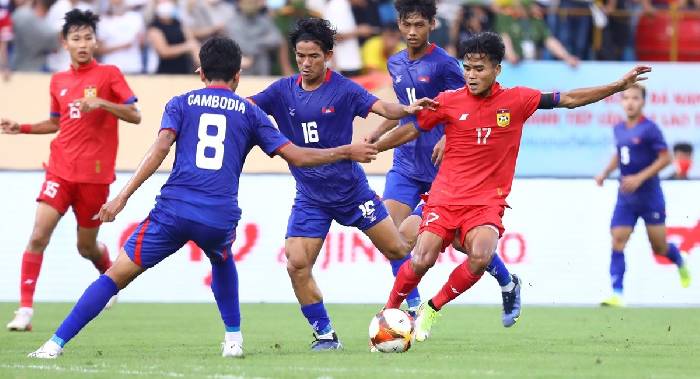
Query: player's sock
{"points": [[617, 271], [318, 318], [406, 281], [413, 298], [88, 307], [233, 334], [31, 266], [674, 255], [224, 285], [460, 280], [103, 263], [498, 270]]}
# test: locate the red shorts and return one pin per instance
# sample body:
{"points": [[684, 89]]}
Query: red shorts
{"points": [[85, 198], [446, 220]]}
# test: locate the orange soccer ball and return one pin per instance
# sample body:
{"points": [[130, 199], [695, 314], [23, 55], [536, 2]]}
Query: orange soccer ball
{"points": [[391, 331]]}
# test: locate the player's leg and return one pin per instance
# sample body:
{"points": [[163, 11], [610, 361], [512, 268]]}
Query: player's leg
{"points": [[156, 238], [660, 246], [88, 201], [621, 226], [90, 304], [307, 227], [52, 203], [216, 244]]}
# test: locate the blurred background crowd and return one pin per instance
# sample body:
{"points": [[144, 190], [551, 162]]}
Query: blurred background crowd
{"points": [[163, 36]]}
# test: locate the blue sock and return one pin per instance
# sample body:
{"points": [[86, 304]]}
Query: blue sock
{"points": [[413, 298], [224, 285], [617, 270], [674, 255], [88, 307], [498, 270], [318, 317]]}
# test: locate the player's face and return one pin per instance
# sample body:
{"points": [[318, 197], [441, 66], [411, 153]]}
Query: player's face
{"points": [[415, 29], [632, 102], [81, 44], [480, 73], [311, 60]]}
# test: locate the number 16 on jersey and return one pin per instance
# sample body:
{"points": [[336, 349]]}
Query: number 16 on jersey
{"points": [[310, 130]]}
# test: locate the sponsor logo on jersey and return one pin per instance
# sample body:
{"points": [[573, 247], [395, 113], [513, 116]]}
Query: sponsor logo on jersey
{"points": [[503, 118], [90, 91]]}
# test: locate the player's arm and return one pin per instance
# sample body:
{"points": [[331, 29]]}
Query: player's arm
{"points": [[611, 166], [126, 112], [149, 164], [396, 111], [630, 183], [398, 136], [381, 130], [584, 96], [308, 157], [49, 126]]}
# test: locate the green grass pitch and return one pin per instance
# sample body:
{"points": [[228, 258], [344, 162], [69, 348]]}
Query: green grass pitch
{"points": [[182, 341]]}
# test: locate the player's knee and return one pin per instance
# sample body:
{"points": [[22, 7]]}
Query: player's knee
{"points": [[659, 248], [297, 266], [619, 242], [87, 250], [481, 258], [421, 263], [38, 241], [396, 250]]}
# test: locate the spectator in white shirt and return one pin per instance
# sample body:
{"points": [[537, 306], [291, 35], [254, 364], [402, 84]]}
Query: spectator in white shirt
{"points": [[120, 34]]}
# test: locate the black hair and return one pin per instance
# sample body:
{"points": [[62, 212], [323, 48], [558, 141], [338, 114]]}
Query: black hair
{"points": [[391, 27], [484, 43], [220, 58], [425, 8], [77, 19], [315, 30], [683, 147]]}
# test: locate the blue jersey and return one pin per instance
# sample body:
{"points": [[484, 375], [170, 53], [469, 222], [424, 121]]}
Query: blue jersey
{"points": [[427, 76], [637, 148], [321, 118], [215, 131]]}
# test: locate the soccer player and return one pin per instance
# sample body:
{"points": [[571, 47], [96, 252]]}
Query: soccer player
{"points": [[214, 130], [86, 103], [641, 153], [484, 124], [424, 69], [316, 108]]}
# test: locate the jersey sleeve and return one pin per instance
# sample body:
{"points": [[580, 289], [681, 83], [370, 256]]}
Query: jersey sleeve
{"points": [[265, 134], [529, 101], [120, 88], [55, 110], [361, 100], [427, 119], [172, 116], [656, 139], [267, 97], [454, 77]]}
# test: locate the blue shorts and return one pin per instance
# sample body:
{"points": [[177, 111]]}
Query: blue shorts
{"points": [[649, 205], [162, 234], [403, 189], [311, 220], [418, 211]]}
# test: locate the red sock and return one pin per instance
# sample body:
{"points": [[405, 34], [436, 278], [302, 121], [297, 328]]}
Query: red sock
{"points": [[406, 280], [31, 266], [104, 263], [460, 280]]}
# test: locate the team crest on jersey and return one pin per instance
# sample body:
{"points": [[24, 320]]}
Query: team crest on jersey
{"points": [[90, 91], [424, 79], [503, 118], [328, 110]]}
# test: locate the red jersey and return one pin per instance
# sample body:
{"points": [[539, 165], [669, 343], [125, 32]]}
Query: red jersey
{"points": [[85, 149], [483, 140], [5, 21]]}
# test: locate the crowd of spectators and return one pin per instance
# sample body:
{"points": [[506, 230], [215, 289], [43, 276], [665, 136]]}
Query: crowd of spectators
{"points": [[163, 36]]}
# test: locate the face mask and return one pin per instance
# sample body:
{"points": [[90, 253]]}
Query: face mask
{"points": [[166, 10], [683, 166]]}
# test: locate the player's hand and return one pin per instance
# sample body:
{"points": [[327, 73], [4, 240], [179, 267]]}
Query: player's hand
{"points": [[634, 76], [421, 104], [363, 152], [599, 180], [89, 104], [438, 152], [630, 183], [9, 126], [111, 209]]}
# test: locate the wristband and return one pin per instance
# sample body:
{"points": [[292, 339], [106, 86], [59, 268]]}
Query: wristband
{"points": [[25, 128]]}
